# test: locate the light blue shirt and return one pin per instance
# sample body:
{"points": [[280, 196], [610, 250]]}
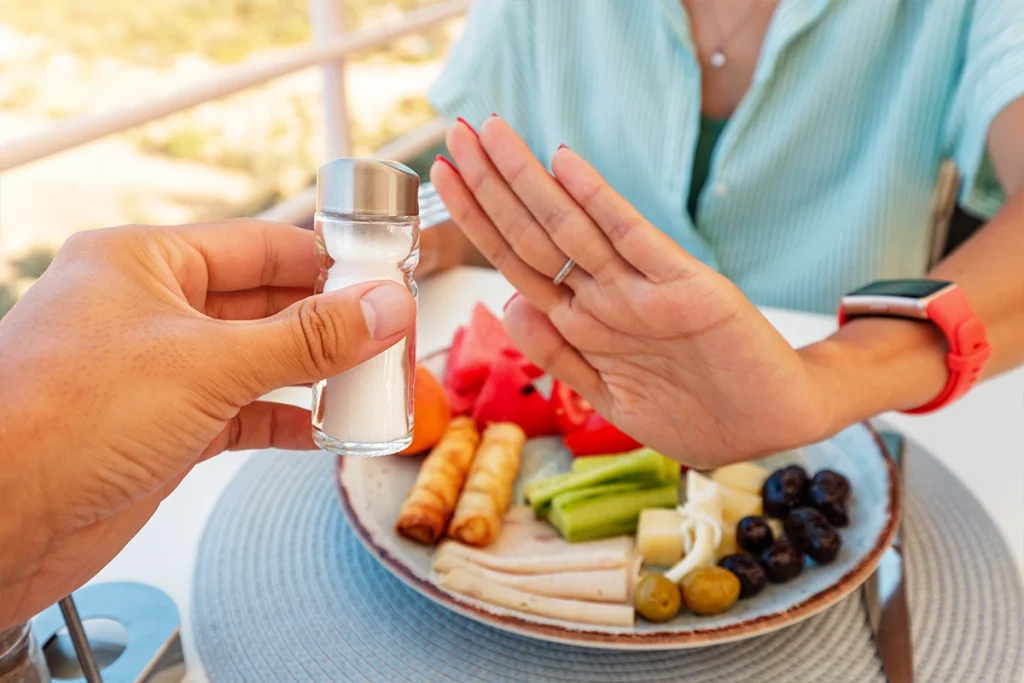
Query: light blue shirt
{"points": [[824, 177]]}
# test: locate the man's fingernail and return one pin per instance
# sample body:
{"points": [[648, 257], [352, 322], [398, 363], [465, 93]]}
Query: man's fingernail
{"points": [[466, 124], [386, 310], [509, 302], [444, 160]]}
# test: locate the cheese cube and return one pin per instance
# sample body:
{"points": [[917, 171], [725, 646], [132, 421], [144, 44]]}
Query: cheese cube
{"points": [[728, 545], [659, 537], [745, 476], [737, 504]]}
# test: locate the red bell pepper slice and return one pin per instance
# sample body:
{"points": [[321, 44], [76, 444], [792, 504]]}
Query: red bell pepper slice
{"points": [[600, 437], [571, 410]]}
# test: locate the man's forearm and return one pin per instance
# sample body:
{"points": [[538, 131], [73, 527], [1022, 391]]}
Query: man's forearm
{"points": [[880, 364]]}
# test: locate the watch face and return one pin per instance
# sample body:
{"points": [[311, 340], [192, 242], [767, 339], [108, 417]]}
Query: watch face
{"points": [[909, 289]]}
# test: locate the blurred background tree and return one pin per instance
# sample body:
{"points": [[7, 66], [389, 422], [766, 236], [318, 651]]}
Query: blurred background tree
{"points": [[232, 157], [33, 263], [154, 32], [26, 268]]}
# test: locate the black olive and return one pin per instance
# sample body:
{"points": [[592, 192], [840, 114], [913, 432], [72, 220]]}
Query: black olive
{"points": [[748, 570], [811, 533], [754, 535], [784, 490], [782, 562], [823, 544], [833, 480], [830, 503], [799, 522]]}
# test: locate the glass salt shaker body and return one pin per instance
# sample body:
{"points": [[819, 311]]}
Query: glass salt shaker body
{"points": [[367, 229], [21, 658]]}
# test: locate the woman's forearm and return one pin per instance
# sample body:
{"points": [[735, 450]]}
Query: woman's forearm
{"points": [[881, 364], [990, 270]]}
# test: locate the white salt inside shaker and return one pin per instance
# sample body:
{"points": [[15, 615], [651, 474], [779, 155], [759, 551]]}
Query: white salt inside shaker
{"points": [[367, 229]]}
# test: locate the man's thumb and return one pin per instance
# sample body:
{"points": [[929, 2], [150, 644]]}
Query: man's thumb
{"points": [[326, 334]]}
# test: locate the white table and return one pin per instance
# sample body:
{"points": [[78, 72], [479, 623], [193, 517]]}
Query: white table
{"points": [[981, 439]]}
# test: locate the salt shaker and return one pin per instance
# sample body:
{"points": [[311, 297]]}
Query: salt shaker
{"points": [[367, 229], [21, 659]]}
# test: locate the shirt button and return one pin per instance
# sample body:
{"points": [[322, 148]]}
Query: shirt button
{"points": [[720, 189]]}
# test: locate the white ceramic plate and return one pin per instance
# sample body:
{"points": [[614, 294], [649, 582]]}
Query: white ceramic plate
{"points": [[372, 491]]}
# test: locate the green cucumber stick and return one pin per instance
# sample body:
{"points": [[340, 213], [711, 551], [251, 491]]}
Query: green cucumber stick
{"points": [[623, 527], [530, 487], [641, 466], [542, 510], [592, 518], [671, 469], [569, 498], [583, 463]]}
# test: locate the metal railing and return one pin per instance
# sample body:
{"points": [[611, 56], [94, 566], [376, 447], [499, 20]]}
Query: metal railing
{"points": [[330, 48], [302, 205]]}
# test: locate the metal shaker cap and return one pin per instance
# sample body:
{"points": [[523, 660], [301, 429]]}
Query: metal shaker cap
{"points": [[367, 187]]}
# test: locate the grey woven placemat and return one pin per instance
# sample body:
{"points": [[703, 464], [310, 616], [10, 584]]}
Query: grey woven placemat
{"points": [[284, 592]]}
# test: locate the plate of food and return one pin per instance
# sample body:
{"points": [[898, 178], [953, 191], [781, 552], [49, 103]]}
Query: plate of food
{"points": [[521, 508]]}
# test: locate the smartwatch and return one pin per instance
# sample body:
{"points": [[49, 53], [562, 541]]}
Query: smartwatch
{"points": [[944, 305]]}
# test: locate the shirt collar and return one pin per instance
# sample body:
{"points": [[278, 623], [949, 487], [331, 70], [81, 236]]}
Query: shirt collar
{"points": [[678, 22], [791, 18]]}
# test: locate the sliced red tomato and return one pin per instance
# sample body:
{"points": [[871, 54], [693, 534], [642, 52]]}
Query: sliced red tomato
{"points": [[571, 410], [599, 437]]}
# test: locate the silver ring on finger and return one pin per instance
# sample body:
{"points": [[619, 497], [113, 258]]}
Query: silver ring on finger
{"points": [[564, 272]]}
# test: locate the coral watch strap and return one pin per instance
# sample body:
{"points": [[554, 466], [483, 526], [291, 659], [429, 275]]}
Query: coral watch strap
{"points": [[969, 349]]}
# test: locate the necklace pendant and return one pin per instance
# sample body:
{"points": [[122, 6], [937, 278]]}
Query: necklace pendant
{"points": [[717, 59]]}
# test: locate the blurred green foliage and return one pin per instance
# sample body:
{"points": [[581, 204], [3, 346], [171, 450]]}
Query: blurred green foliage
{"points": [[8, 297], [33, 263], [27, 266], [156, 31]]}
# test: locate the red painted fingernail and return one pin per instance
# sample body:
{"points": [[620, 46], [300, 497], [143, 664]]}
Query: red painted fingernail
{"points": [[563, 146], [509, 302], [493, 115], [444, 160], [466, 124]]}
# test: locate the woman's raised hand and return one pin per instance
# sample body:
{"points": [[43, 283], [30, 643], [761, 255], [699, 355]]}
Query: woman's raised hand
{"points": [[663, 346]]}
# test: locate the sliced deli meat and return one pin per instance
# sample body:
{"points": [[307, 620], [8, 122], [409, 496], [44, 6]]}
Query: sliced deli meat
{"points": [[602, 585], [474, 585]]}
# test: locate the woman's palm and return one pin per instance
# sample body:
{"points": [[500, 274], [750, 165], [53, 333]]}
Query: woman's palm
{"points": [[667, 349], [689, 366]]}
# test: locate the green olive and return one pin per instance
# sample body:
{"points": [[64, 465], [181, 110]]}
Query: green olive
{"points": [[710, 590], [656, 598]]}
